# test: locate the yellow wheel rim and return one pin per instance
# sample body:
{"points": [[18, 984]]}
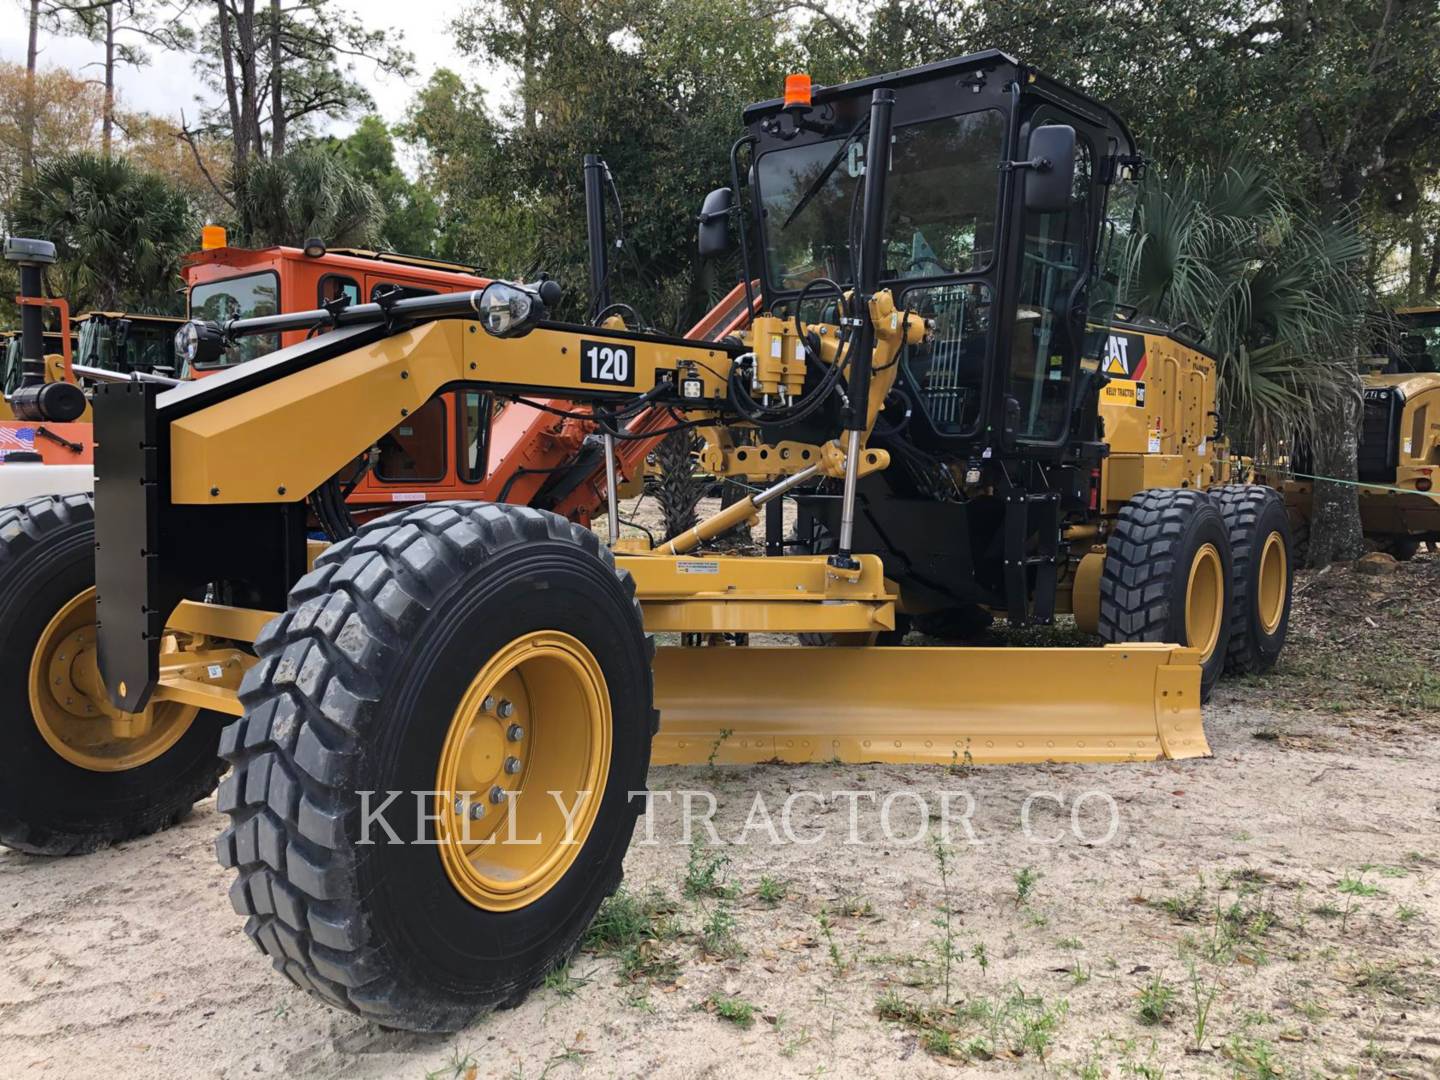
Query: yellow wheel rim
{"points": [[528, 746], [72, 710], [1205, 601], [1270, 595]]}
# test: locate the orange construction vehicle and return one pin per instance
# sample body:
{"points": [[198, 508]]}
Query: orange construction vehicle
{"points": [[543, 453]]}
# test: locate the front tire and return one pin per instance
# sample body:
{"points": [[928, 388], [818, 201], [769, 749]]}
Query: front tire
{"points": [[70, 783], [1264, 573], [1167, 576], [384, 675]]}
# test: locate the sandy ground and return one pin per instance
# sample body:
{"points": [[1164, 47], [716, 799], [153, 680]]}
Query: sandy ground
{"points": [[1274, 910]]}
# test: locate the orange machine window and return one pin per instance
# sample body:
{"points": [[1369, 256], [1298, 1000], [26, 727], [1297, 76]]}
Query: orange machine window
{"points": [[474, 430], [414, 450], [334, 286], [406, 292]]}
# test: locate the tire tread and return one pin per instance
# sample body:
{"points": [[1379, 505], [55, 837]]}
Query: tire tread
{"points": [[307, 704]]}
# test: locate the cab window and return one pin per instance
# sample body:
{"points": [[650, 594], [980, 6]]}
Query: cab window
{"points": [[414, 450], [1054, 261], [244, 297], [406, 292], [334, 286], [947, 369]]}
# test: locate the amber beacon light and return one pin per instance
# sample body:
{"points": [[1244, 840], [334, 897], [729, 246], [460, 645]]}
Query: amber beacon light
{"points": [[797, 91]]}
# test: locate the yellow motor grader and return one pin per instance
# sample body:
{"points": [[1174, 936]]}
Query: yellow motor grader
{"points": [[439, 729], [1398, 459]]}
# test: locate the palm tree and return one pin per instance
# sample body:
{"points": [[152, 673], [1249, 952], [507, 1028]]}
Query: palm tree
{"points": [[119, 232], [308, 192], [1277, 288]]}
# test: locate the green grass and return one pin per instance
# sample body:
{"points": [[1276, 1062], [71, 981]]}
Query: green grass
{"points": [[1385, 979], [1253, 1059], [1025, 880], [1156, 1000], [706, 875], [649, 961], [564, 982], [626, 919], [771, 890], [734, 1010], [1358, 886], [718, 934], [838, 961], [1185, 907], [1016, 1024]]}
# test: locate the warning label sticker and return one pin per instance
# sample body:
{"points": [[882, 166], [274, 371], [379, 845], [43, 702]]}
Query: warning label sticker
{"points": [[698, 566]]}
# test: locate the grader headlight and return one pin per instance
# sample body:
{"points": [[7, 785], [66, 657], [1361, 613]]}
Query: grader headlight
{"points": [[198, 342], [508, 310]]}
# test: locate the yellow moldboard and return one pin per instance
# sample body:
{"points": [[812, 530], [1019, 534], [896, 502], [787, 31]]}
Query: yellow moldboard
{"points": [[746, 705]]}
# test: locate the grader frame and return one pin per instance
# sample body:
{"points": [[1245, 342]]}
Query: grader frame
{"points": [[473, 653]]}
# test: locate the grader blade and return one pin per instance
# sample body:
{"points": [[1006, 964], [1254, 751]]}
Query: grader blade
{"points": [[927, 705]]}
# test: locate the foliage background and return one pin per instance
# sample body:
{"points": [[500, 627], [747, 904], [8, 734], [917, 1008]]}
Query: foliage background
{"points": [[1297, 146]]}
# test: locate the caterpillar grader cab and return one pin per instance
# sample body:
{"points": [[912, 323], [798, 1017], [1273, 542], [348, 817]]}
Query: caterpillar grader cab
{"points": [[438, 730], [1398, 460]]}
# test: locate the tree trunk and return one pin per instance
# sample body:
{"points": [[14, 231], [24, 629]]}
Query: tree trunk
{"points": [[1432, 275], [1415, 283], [27, 160], [107, 125], [250, 91], [1335, 531], [277, 103], [239, 134]]}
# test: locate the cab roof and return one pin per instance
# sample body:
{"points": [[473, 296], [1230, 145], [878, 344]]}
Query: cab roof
{"points": [[1034, 82], [359, 259]]}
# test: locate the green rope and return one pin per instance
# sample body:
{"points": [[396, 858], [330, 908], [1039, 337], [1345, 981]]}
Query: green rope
{"points": [[1355, 483]]}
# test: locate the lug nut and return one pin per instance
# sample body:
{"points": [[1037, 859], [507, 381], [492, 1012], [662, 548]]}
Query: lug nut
{"points": [[459, 805], [488, 703], [477, 811], [512, 765], [515, 733], [506, 710], [497, 794]]}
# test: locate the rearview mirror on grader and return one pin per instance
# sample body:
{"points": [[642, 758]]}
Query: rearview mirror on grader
{"points": [[918, 382]]}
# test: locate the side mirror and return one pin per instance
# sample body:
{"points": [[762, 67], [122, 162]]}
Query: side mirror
{"points": [[714, 234], [1051, 169]]}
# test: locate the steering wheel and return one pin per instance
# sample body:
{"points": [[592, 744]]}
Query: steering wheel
{"points": [[915, 264]]}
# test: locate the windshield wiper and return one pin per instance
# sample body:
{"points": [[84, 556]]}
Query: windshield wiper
{"points": [[819, 181]]}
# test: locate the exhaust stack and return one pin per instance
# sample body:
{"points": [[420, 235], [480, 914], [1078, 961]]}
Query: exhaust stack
{"points": [[37, 399]]}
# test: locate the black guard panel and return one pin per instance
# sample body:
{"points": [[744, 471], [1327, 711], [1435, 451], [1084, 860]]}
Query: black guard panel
{"points": [[126, 556], [152, 553]]}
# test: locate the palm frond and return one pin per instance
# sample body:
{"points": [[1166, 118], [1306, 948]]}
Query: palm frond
{"points": [[1277, 287]]}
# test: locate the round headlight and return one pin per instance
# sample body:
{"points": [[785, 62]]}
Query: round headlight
{"points": [[187, 342], [199, 342], [507, 310]]}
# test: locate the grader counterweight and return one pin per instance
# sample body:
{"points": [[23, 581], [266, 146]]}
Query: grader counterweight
{"points": [[916, 380]]}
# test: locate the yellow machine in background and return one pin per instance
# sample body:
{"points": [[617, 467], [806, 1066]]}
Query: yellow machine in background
{"points": [[1399, 453]]}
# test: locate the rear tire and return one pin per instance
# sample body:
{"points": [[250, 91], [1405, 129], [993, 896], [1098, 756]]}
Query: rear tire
{"points": [[1167, 576], [1262, 578], [1402, 548], [356, 690], [50, 804]]}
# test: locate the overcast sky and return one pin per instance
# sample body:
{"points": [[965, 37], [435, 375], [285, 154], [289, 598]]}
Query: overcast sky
{"points": [[167, 85]]}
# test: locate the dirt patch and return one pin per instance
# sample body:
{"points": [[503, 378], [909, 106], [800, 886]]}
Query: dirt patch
{"points": [[1271, 911]]}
